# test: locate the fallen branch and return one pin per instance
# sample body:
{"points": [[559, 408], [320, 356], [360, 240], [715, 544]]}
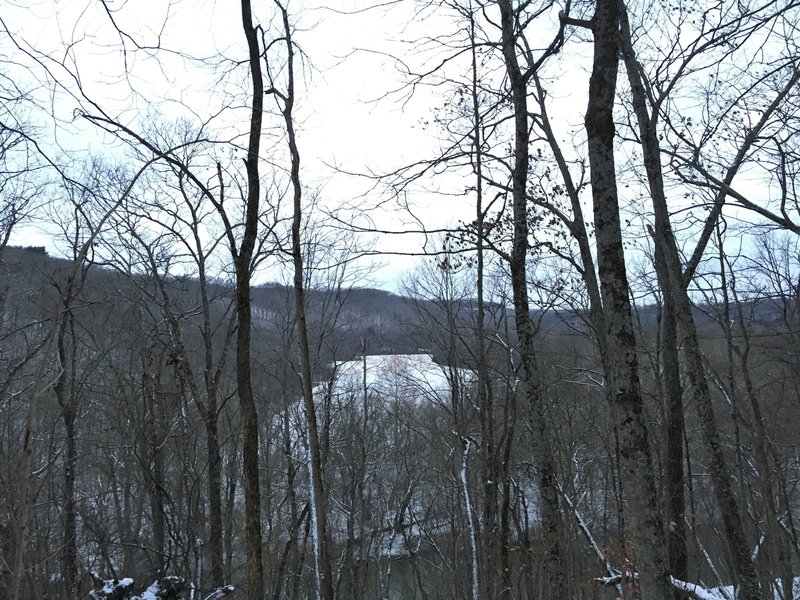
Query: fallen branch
{"points": [[613, 576], [221, 592], [163, 588], [693, 591], [698, 592]]}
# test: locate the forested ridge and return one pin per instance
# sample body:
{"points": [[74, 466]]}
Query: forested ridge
{"points": [[585, 385], [394, 464]]}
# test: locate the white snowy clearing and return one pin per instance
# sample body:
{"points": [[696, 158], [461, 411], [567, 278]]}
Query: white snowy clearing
{"points": [[407, 376]]}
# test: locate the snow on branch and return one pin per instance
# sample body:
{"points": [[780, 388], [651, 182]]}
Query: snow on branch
{"points": [[611, 572], [164, 588], [221, 592], [110, 589], [690, 590], [616, 578], [698, 592]]}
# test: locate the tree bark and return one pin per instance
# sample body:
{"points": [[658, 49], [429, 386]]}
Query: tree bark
{"points": [[626, 398], [530, 383], [494, 472], [214, 498], [152, 460], [319, 515], [778, 554], [671, 279], [673, 476], [243, 266], [65, 397], [670, 362], [210, 412]]}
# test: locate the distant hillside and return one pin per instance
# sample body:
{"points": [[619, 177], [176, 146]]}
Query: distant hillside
{"points": [[345, 322]]}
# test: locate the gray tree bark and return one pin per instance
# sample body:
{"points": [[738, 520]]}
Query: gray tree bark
{"points": [[670, 362], [530, 383], [626, 397], [318, 507], [64, 392], [671, 280], [243, 266]]}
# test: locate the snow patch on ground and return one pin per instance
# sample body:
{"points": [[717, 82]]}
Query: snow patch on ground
{"points": [[700, 592], [727, 592], [151, 593]]}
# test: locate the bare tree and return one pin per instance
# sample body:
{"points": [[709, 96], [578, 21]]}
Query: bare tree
{"points": [[627, 404], [286, 98], [531, 385]]}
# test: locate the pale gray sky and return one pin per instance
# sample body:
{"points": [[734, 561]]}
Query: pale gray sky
{"points": [[346, 116]]}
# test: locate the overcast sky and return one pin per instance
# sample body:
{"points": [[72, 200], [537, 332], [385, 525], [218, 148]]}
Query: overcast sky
{"points": [[349, 119], [356, 115]]}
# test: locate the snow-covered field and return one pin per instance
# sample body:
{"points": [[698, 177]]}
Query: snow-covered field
{"points": [[398, 375]]}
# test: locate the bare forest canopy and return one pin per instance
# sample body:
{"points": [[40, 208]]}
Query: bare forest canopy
{"points": [[585, 385]]}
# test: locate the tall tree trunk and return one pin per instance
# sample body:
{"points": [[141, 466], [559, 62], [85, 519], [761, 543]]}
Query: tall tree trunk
{"points": [[214, 496], [778, 553], [673, 476], [292, 515], [211, 414], [243, 266], [745, 573], [319, 514], [22, 512], [494, 534], [530, 383], [670, 361], [231, 492], [627, 404], [152, 457], [64, 392], [486, 412], [671, 279]]}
